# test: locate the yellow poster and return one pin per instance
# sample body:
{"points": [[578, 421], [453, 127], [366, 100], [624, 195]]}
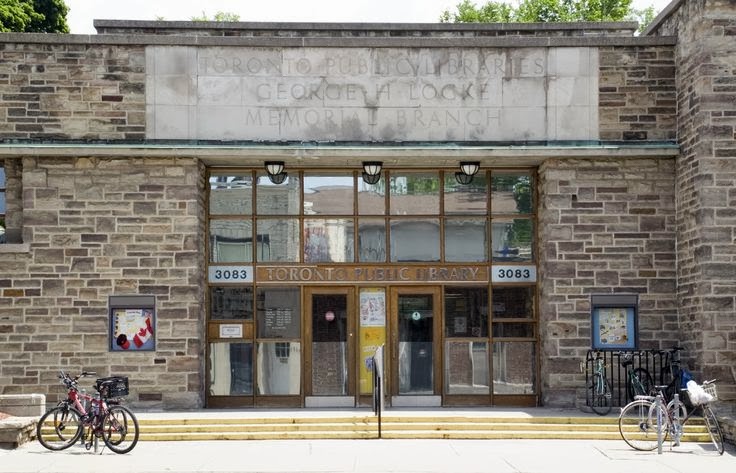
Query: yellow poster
{"points": [[372, 333]]}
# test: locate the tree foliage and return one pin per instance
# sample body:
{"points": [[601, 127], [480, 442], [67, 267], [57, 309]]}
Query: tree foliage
{"points": [[219, 16], [34, 16], [531, 11]]}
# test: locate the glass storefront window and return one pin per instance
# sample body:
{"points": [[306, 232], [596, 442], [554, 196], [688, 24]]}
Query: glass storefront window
{"points": [[227, 302], [328, 240], [512, 239], [466, 240], [279, 368], [231, 369], [512, 302], [326, 194], [511, 193], [278, 199], [415, 240], [372, 197], [279, 239], [466, 198], [415, 193], [513, 330], [466, 312], [231, 195], [279, 312], [231, 241], [329, 345], [514, 368], [466, 368], [372, 240]]}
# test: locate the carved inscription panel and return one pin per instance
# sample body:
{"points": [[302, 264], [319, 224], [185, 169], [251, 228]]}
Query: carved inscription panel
{"points": [[371, 94]]}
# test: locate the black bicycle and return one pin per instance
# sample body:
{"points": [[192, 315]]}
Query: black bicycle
{"points": [[638, 380]]}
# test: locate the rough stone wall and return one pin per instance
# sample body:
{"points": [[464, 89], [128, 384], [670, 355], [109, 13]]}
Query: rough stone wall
{"points": [[101, 227], [606, 226], [72, 91], [637, 93], [706, 183]]}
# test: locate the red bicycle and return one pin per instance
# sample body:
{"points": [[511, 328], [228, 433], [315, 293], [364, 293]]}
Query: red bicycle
{"points": [[84, 417]]}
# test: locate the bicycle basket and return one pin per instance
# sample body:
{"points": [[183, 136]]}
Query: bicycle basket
{"points": [[114, 386], [710, 388]]}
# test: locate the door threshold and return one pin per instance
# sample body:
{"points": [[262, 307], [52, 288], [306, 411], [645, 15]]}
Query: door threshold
{"points": [[329, 401]]}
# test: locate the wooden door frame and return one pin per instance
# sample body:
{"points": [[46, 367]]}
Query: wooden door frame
{"points": [[393, 326], [352, 316]]}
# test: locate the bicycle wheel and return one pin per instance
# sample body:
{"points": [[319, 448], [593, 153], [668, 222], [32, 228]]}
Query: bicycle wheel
{"points": [[716, 436], [638, 425], [59, 428], [640, 383], [599, 395], [120, 429]]}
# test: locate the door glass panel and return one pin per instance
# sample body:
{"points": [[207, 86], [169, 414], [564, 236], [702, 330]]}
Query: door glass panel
{"points": [[279, 368], [231, 369], [514, 368], [416, 317], [466, 368], [329, 344]]}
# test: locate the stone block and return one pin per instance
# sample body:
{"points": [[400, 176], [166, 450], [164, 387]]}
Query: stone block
{"points": [[23, 405]]}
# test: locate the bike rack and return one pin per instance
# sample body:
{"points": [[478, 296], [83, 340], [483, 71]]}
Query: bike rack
{"points": [[654, 361]]}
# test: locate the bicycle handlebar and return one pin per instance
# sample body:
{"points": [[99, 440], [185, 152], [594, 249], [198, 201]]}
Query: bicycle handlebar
{"points": [[70, 382]]}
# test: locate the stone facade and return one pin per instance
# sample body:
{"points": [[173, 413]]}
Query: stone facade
{"points": [[706, 178], [101, 227], [606, 226]]}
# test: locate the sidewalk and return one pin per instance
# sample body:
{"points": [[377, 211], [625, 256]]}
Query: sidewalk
{"points": [[373, 456]]}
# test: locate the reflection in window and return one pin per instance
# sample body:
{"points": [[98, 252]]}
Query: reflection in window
{"points": [[282, 237], [514, 368], [465, 240], [279, 368], [231, 369], [511, 193], [328, 194], [328, 240], [278, 199], [512, 239], [466, 368], [228, 302], [372, 240], [231, 195], [372, 197], [415, 193], [466, 199], [513, 302], [466, 311], [231, 241], [415, 240]]}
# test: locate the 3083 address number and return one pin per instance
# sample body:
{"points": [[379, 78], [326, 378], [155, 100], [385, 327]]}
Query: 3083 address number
{"points": [[231, 274]]}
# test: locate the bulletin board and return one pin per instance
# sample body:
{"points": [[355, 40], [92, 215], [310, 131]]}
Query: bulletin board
{"points": [[614, 322], [132, 323]]}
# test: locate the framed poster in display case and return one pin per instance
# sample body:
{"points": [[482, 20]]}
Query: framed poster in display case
{"points": [[132, 323], [614, 321]]}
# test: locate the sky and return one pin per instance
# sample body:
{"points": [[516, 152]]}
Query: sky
{"points": [[83, 12]]}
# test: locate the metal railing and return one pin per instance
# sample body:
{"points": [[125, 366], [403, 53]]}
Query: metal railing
{"points": [[656, 362]]}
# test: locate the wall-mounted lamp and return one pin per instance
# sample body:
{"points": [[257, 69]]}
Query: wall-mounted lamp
{"points": [[275, 170], [372, 171], [468, 169]]}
